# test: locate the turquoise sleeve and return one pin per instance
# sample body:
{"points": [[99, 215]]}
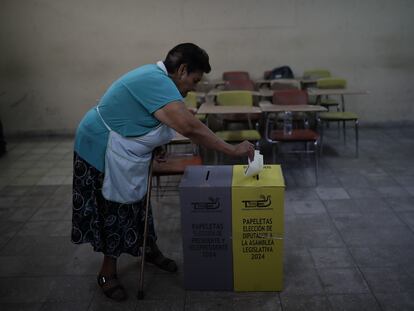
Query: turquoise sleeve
{"points": [[155, 92]]}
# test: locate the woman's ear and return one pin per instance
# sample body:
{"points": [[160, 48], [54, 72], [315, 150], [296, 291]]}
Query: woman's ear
{"points": [[182, 70]]}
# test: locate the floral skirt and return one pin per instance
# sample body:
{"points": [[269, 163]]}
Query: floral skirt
{"points": [[111, 228]]}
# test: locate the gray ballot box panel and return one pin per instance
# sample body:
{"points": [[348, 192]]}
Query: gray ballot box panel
{"points": [[205, 195]]}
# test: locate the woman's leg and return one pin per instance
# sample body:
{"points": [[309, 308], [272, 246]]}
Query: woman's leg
{"points": [[108, 280], [108, 267]]}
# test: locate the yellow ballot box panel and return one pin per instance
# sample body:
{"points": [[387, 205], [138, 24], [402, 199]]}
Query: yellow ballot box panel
{"points": [[257, 229]]}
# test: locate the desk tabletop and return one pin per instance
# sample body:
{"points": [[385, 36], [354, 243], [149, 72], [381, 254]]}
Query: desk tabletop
{"points": [[210, 108], [268, 107], [317, 92]]}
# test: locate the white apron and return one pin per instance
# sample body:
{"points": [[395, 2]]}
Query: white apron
{"points": [[127, 162]]}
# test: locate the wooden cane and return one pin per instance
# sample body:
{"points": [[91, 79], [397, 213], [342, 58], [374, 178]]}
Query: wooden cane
{"points": [[144, 243]]}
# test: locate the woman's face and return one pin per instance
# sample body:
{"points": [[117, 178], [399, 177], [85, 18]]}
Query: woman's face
{"points": [[185, 81]]}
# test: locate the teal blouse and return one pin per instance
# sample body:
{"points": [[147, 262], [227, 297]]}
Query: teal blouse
{"points": [[127, 107]]}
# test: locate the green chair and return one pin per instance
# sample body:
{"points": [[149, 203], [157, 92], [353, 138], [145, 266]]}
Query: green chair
{"points": [[238, 98], [331, 83], [318, 74], [191, 102], [338, 116]]}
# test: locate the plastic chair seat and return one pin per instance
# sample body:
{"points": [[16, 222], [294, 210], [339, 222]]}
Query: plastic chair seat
{"points": [[239, 135], [297, 135], [331, 83], [316, 74], [338, 116]]}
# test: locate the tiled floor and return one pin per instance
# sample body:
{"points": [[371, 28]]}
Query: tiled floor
{"points": [[349, 242]]}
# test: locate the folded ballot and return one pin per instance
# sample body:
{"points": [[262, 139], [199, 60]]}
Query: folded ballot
{"points": [[256, 165]]}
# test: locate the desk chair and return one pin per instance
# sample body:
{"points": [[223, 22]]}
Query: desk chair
{"points": [[300, 133], [174, 163], [237, 98], [316, 74], [242, 85], [250, 133], [340, 115]]}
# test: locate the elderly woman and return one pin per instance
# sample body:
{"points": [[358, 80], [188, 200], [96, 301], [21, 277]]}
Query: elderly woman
{"points": [[113, 148]]}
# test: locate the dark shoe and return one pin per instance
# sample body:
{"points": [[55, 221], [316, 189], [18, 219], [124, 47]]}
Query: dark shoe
{"points": [[112, 288], [155, 257]]}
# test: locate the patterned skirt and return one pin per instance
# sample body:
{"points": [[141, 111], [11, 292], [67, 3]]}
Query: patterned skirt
{"points": [[111, 228]]}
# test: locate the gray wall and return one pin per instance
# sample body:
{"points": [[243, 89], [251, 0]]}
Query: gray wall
{"points": [[57, 57]]}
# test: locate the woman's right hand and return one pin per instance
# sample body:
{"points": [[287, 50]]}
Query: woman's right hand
{"points": [[243, 149]]}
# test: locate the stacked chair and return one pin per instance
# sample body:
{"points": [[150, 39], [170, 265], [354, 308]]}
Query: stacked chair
{"points": [[235, 75], [316, 74], [248, 130], [238, 81], [285, 84]]}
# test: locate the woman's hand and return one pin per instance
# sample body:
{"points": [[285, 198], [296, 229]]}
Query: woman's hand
{"points": [[243, 149]]}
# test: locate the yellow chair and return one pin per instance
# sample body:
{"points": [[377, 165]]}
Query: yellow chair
{"points": [[239, 98], [191, 102], [317, 74]]}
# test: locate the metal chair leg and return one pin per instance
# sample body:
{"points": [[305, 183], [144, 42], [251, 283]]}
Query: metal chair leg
{"points": [[316, 151], [344, 131], [357, 137], [321, 140]]}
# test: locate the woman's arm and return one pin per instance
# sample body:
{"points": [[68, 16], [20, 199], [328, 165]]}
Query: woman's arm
{"points": [[177, 116]]}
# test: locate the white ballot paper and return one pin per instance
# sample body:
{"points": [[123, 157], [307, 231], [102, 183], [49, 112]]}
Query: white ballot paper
{"points": [[256, 165]]}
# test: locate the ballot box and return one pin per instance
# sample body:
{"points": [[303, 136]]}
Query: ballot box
{"points": [[205, 197], [257, 229]]}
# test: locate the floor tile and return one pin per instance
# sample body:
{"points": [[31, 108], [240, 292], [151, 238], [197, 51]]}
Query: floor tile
{"points": [[332, 193], [354, 302], [25, 290], [396, 301], [388, 279], [305, 302], [331, 257], [351, 281]]}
